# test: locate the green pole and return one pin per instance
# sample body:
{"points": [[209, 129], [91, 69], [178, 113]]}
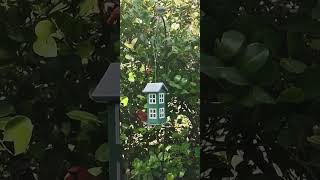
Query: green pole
{"points": [[114, 141]]}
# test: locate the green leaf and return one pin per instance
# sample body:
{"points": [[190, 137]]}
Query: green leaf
{"points": [[233, 76], [131, 77], [184, 81], [293, 66], [6, 109], [314, 139], [88, 7], [19, 131], [83, 116], [44, 29], [96, 171], [85, 49], [210, 65], [46, 47], [170, 176], [291, 95], [124, 101], [102, 153], [255, 56], [59, 7], [232, 42], [177, 78], [3, 122], [262, 96], [197, 152], [315, 44]]}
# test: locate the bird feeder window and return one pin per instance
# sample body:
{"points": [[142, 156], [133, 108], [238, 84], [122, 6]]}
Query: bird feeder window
{"points": [[161, 98], [161, 113], [152, 99], [153, 113]]}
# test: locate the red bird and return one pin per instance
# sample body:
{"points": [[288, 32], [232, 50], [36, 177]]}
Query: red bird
{"points": [[79, 173], [142, 116], [114, 16]]}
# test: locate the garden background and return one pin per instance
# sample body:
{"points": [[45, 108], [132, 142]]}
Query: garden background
{"points": [[148, 153]]}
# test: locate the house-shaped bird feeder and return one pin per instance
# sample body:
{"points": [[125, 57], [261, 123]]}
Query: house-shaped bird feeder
{"points": [[156, 103], [108, 92]]}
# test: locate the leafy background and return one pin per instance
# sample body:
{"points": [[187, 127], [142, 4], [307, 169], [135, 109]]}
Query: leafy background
{"points": [[260, 90], [52, 55], [171, 152]]}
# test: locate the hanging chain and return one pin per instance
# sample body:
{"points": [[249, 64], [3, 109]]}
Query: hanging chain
{"points": [[155, 48]]}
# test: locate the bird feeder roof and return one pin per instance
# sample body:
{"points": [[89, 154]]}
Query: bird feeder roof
{"points": [[108, 89], [154, 87]]}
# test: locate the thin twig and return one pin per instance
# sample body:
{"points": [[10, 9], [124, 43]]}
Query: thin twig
{"points": [[6, 148]]}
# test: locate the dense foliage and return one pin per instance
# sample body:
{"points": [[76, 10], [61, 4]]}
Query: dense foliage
{"points": [[260, 89], [52, 54], [170, 152]]}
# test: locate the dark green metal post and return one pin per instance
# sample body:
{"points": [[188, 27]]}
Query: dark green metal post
{"points": [[108, 91], [114, 141]]}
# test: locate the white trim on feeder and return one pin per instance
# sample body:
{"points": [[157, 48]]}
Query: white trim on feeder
{"points": [[153, 113], [161, 98], [152, 98], [161, 113]]}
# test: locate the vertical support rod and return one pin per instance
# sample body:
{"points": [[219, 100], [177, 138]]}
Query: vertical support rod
{"points": [[114, 141]]}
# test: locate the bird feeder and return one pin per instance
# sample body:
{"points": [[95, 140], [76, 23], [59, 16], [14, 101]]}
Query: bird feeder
{"points": [[156, 103], [108, 92]]}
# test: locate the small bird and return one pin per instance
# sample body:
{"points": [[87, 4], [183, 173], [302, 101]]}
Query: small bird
{"points": [[141, 115], [80, 173], [148, 69]]}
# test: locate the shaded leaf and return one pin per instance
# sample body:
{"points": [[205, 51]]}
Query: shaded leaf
{"points": [[314, 139], [96, 171], [6, 109], [291, 95], [255, 56], [262, 96], [46, 47], [83, 116], [293, 66], [3, 122], [44, 29], [19, 131], [233, 76], [85, 49], [232, 41], [88, 7], [102, 153]]}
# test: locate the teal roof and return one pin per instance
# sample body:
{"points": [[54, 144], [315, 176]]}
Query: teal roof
{"points": [[154, 87]]}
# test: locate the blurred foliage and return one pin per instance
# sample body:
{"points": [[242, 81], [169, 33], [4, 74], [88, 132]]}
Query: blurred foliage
{"points": [[52, 55], [170, 152], [260, 91]]}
